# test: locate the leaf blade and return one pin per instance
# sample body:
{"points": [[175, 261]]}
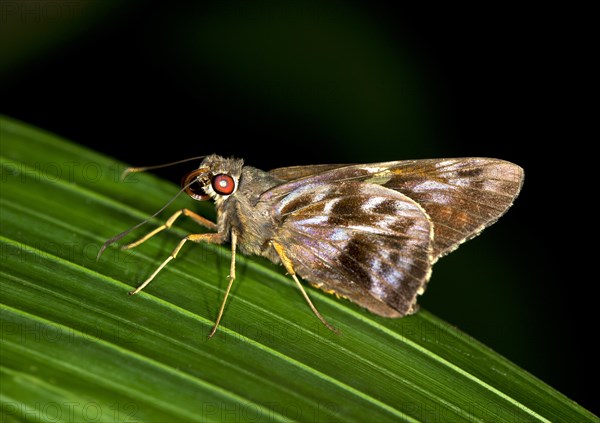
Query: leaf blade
{"points": [[271, 360]]}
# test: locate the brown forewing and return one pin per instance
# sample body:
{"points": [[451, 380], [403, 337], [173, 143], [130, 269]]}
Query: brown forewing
{"points": [[461, 196]]}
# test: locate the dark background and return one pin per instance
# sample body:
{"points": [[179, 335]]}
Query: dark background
{"points": [[289, 83]]}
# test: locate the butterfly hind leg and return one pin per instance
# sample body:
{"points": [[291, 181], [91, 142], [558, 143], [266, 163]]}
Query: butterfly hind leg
{"points": [[287, 263]]}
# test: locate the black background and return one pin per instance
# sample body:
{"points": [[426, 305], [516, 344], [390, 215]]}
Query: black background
{"points": [[301, 83]]}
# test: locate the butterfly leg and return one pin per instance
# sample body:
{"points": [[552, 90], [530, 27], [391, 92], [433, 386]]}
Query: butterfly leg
{"points": [[231, 279], [213, 238], [287, 263], [186, 212]]}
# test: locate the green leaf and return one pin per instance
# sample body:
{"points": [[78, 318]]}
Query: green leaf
{"points": [[76, 347]]}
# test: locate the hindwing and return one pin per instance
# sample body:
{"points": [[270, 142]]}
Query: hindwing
{"points": [[365, 242]]}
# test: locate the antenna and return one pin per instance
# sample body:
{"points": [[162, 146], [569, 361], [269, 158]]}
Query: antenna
{"points": [[145, 168]]}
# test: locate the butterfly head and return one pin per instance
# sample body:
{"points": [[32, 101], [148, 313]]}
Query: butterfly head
{"points": [[216, 178]]}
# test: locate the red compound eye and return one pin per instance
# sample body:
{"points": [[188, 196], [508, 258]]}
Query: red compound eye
{"points": [[223, 184]]}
